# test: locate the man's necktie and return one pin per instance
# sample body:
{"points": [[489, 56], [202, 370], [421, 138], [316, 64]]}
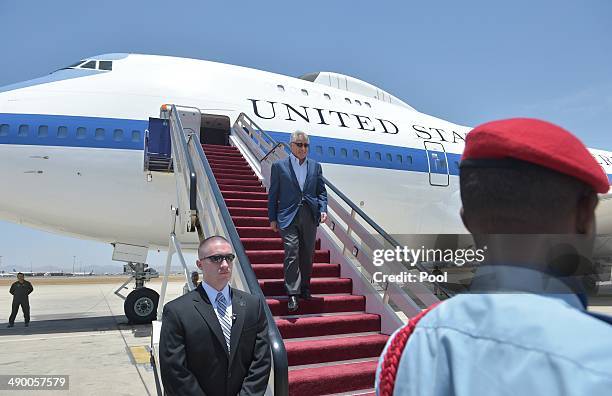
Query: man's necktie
{"points": [[226, 324]]}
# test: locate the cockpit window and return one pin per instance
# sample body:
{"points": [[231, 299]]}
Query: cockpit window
{"points": [[105, 65], [89, 65]]}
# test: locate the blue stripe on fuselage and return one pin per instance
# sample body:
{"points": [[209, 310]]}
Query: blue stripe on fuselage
{"points": [[131, 137], [374, 155], [72, 131]]}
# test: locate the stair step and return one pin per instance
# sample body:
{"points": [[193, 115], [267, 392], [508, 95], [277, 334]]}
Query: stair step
{"points": [[222, 153], [232, 168], [276, 271], [276, 287], [278, 256], [217, 170], [229, 187], [325, 304], [234, 157], [249, 221], [254, 212], [327, 325], [268, 243], [234, 176], [223, 162], [218, 147], [238, 182], [246, 203], [245, 195], [332, 379], [335, 349], [257, 232]]}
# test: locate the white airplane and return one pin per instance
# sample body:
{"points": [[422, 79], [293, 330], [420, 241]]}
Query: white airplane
{"points": [[71, 145]]}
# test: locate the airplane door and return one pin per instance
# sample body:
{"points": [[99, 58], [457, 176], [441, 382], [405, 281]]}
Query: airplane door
{"points": [[437, 164]]}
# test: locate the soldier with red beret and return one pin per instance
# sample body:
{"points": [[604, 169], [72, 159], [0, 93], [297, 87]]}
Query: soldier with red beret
{"points": [[525, 329]]}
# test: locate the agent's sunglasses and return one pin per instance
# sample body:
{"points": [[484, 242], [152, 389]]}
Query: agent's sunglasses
{"points": [[301, 145], [218, 258]]}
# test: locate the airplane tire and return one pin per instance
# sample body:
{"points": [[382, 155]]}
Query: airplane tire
{"points": [[140, 306]]}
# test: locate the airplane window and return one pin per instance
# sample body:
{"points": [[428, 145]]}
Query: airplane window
{"points": [[76, 64], [280, 88], [106, 65], [135, 136], [4, 130], [99, 135], [367, 104], [62, 132], [118, 135], [409, 159], [331, 151], [356, 154], [358, 102], [378, 156], [81, 133], [326, 96], [343, 153], [305, 92], [319, 150], [399, 158], [366, 154], [23, 130], [43, 131], [389, 157], [347, 100], [89, 65]]}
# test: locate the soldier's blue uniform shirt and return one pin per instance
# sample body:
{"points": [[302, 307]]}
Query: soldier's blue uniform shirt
{"points": [[507, 344]]}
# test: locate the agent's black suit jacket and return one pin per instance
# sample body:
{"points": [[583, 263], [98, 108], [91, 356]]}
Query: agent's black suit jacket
{"points": [[193, 354]]}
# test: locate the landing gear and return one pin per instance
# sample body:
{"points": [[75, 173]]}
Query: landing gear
{"points": [[140, 306]]}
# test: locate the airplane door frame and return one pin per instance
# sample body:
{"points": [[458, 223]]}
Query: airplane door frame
{"points": [[437, 177]]}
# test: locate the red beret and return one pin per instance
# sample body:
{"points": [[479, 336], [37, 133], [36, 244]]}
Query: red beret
{"points": [[538, 142]]}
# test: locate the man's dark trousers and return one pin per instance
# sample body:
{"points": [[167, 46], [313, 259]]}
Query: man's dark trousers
{"points": [[299, 242], [25, 307]]}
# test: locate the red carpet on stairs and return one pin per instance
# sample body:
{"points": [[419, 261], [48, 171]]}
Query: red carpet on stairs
{"points": [[332, 344]]}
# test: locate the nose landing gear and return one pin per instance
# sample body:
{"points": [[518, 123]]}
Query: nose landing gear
{"points": [[140, 306]]}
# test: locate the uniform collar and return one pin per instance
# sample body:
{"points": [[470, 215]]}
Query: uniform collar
{"points": [[520, 279]]}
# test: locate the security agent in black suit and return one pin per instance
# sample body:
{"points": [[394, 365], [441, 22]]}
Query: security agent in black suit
{"points": [[197, 330]]}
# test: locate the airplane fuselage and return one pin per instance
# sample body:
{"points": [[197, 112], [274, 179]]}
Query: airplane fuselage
{"points": [[71, 146]]}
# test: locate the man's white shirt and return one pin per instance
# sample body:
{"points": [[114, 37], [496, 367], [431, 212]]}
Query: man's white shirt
{"points": [[300, 170], [211, 292]]}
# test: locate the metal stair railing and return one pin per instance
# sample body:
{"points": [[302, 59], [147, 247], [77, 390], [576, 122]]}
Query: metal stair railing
{"points": [[206, 210], [354, 231]]}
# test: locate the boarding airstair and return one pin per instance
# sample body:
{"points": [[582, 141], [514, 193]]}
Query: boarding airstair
{"points": [[332, 343]]}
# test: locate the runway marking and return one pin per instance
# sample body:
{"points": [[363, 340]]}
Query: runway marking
{"points": [[21, 338], [140, 354]]}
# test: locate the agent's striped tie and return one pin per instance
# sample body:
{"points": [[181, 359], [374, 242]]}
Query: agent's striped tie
{"points": [[226, 324]]}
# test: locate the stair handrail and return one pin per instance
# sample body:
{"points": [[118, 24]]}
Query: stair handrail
{"points": [[273, 147], [279, 353]]}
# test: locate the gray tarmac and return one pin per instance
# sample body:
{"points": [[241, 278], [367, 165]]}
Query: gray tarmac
{"points": [[79, 330]]}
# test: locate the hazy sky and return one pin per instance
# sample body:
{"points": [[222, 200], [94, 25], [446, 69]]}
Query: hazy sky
{"points": [[467, 62]]}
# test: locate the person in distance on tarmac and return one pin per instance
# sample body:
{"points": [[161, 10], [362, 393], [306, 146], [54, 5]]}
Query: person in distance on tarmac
{"points": [[20, 291]]}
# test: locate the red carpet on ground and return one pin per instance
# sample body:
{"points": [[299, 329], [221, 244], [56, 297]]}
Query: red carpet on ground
{"points": [[332, 344]]}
